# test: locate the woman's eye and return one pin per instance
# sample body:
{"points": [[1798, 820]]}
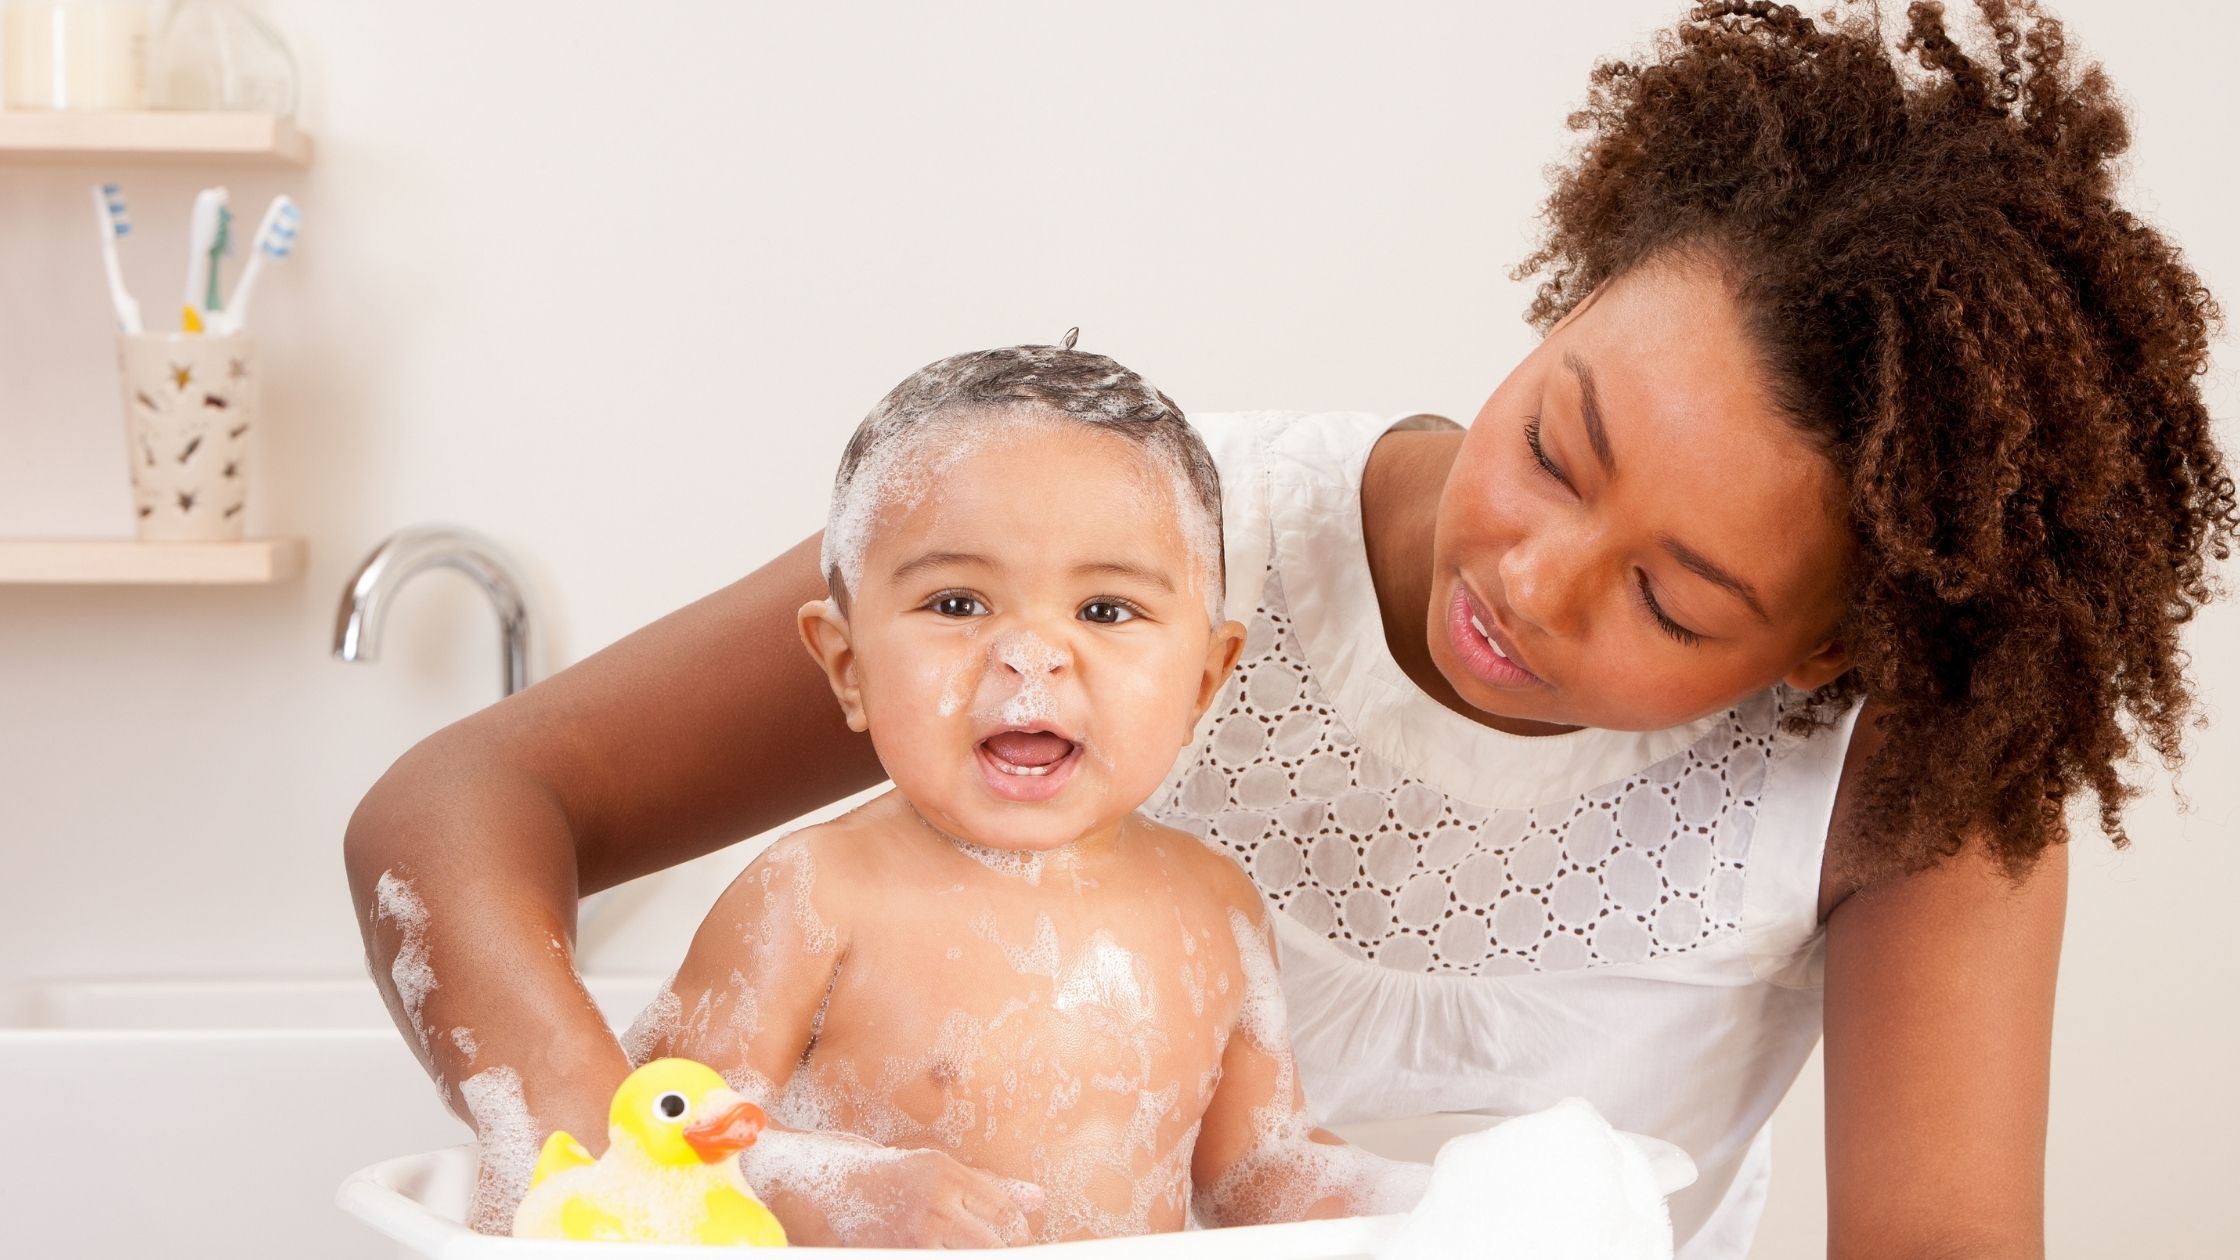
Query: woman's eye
{"points": [[1107, 612], [954, 605], [1664, 621], [1539, 452]]}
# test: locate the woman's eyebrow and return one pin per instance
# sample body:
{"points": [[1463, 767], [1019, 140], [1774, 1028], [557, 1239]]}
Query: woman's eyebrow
{"points": [[1694, 562], [1590, 411]]}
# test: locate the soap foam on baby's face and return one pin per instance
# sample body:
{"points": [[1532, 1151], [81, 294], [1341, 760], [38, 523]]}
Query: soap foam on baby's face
{"points": [[1030, 636]]}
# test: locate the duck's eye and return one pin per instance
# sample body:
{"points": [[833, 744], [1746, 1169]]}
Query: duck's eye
{"points": [[670, 1106]]}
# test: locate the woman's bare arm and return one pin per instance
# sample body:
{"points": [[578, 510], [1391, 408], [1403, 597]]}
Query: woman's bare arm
{"points": [[705, 727], [1939, 1023]]}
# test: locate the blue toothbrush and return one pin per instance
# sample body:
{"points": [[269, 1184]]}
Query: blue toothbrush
{"points": [[276, 239], [109, 211]]}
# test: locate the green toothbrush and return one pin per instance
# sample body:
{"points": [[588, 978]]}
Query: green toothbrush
{"points": [[219, 240]]}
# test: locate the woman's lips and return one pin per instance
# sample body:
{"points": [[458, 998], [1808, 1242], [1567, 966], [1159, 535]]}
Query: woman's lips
{"points": [[1484, 651], [1026, 765]]}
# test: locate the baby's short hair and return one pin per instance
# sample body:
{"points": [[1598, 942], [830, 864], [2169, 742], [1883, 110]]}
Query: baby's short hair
{"points": [[886, 464]]}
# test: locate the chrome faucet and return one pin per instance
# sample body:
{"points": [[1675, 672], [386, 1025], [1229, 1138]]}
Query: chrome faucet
{"points": [[357, 624]]}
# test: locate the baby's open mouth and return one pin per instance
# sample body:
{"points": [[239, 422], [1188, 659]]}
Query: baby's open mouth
{"points": [[1028, 754]]}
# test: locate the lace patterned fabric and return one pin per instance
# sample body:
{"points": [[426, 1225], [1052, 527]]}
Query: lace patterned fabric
{"points": [[1474, 921], [1398, 873]]}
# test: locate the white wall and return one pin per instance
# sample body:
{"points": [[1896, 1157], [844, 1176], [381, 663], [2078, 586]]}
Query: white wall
{"points": [[612, 282]]}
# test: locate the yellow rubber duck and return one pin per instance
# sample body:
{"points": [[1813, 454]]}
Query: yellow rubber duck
{"points": [[670, 1174]]}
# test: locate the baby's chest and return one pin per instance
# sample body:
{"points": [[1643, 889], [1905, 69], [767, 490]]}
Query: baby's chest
{"points": [[1023, 1024]]}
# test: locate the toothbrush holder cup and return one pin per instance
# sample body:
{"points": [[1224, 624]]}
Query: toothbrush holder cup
{"points": [[190, 400]]}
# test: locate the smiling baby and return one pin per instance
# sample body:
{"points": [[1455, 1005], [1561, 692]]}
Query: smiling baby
{"points": [[999, 959]]}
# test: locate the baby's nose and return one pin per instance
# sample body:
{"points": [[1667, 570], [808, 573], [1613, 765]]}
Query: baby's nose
{"points": [[1029, 655]]}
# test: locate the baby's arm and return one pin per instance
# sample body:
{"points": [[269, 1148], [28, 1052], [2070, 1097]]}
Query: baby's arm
{"points": [[746, 998], [746, 1002], [1258, 1159]]}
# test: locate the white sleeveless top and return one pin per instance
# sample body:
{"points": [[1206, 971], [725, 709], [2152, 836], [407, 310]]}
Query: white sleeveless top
{"points": [[1477, 921]]}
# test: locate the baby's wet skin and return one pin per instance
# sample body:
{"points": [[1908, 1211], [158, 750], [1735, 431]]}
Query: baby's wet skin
{"points": [[1070, 1020], [1060, 1020], [1000, 961]]}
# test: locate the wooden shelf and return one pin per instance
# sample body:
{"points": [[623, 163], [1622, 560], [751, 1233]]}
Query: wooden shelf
{"points": [[125, 562], [159, 135]]}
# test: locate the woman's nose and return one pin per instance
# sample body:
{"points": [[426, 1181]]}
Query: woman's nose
{"points": [[1543, 579]]}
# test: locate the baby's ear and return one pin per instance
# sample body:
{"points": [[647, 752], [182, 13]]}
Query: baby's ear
{"points": [[824, 631], [1222, 651]]}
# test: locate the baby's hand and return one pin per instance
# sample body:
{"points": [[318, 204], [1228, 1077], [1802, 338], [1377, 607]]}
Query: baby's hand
{"points": [[934, 1201], [833, 1189]]}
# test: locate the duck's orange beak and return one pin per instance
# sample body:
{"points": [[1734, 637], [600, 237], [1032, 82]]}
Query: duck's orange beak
{"points": [[730, 1129]]}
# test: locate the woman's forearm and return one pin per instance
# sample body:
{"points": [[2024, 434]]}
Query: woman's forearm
{"points": [[466, 859], [463, 877]]}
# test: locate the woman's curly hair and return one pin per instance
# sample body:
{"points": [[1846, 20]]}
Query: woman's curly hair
{"points": [[2001, 362]]}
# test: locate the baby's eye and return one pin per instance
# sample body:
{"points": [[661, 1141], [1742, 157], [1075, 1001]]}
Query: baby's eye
{"points": [[954, 604], [1107, 612]]}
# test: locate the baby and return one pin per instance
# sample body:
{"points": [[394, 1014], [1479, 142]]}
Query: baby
{"points": [[999, 959]]}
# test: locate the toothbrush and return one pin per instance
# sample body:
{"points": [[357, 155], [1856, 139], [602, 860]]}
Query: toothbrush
{"points": [[205, 240], [276, 239], [219, 248], [109, 212]]}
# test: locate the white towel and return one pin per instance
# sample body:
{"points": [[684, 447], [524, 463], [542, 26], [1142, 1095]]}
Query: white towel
{"points": [[1559, 1184]]}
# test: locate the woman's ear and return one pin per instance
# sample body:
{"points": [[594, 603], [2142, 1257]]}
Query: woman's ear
{"points": [[824, 631], [1221, 656], [1828, 662]]}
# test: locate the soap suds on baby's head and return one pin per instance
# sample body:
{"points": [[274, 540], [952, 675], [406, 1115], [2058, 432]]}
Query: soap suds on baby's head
{"points": [[950, 409], [410, 971]]}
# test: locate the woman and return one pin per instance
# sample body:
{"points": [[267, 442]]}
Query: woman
{"points": [[1725, 681]]}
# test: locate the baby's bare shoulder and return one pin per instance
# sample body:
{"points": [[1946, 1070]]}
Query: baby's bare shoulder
{"points": [[877, 851], [819, 864], [1211, 871]]}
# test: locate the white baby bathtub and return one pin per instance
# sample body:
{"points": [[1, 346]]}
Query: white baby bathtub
{"points": [[202, 1119], [419, 1201]]}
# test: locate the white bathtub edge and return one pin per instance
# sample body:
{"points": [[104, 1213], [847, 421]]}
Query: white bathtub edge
{"points": [[379, 1197]]}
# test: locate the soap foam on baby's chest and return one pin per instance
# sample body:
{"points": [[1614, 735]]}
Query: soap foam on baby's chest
{"points": [[1073, 1051]]}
